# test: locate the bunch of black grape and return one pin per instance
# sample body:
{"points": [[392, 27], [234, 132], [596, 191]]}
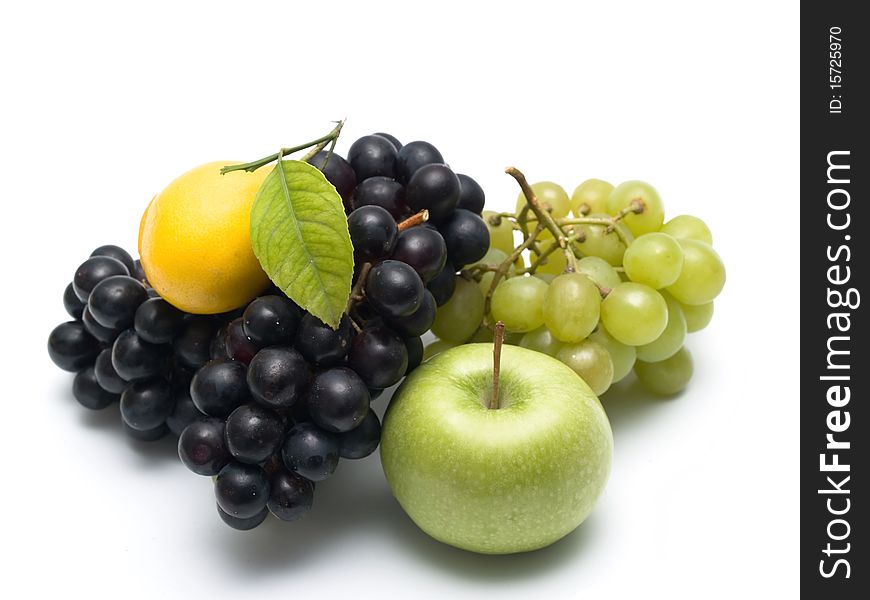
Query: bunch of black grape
{"points": [[407, 272], [267, 398]]}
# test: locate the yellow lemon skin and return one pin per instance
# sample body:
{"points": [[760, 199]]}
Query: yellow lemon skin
{"points": [[195, 242]]}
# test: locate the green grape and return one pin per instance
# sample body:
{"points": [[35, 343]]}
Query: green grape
{"points": [[687, 227], [459, 317], [541, 340], [551, 196], [671, 339], [546, 277], [556, 262], [635, 314], [485, 335], [666, 377], [590, 197], [599, 271], [623, 356], [653, 259], [518, 303], [596, 241], [653, 214], [591, 362], [698, 316], [501, 232], [493, 257], [702, 276], [572, 306], [437, 347]]}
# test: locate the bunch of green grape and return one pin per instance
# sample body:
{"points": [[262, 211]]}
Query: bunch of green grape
{"points": [[625, 299]]}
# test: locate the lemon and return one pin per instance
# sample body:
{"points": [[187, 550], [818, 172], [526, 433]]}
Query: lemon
{"points": [[195, 244]]}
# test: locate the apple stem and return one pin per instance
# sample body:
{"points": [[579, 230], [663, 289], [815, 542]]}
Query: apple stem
{"points": [[497, 342]]}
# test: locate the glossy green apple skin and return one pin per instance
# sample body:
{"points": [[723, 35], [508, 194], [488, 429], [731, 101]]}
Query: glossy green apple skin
{"points": [[496, 481]]}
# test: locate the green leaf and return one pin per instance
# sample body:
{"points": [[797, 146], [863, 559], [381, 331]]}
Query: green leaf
{"points": [[299, 234]]}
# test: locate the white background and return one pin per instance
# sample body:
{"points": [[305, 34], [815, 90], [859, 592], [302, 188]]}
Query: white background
{"points": [[103, 104]]}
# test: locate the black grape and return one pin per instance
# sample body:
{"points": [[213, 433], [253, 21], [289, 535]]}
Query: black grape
{"points": [[219, 387], [290, 496], [133, 358], [310, 451], [157, 321], [373, 233], [414, 155], [361, 441], [88, 391], [277, 376], [394, 289], [418, 322], [113, 301], [379, 356], [443, 285], [270, 320], [338, 399], [372, 155], [253, 433], [106, 375], [471, 196], [71, 347], [436, 188], [117, 253], [145, 405], [202, 447], [338, 172], [423, 249], [321, 344], [466, 236], [93, 271], [242, 490], [71, 302], [385, 192]]}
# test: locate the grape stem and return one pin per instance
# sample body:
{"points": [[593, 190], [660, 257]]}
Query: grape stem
{"points": [[315, 145], [357, 293], [415, 219], [544, 217], [505, 266], [497, 342]]}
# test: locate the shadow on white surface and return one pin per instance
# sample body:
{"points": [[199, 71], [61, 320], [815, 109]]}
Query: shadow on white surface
{"points": [[628, 405]]}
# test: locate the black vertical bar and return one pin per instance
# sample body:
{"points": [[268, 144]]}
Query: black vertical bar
{"points": [[834, 173]]}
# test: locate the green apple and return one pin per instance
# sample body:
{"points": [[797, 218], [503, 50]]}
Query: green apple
{"points": [[496, 480]]}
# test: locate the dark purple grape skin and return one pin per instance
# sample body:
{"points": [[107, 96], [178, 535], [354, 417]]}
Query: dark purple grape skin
{"points": [[466, 236], [71, 347], [338, 399], [373, 232], [338, 172], [106, 375], [414, 155], [149, 435], [418, 322], [433, 187], [443, 285], [322, 345], [379, 356], [396, 143], [277, 376], [133, 358], [202, 446], [93, 271], [239, 346], [414, 345], [71, 302], [361, 441], [219, 387], [117, 253], [372, 155], [471, 196], [145, 405], [242, 524], [310, 451], [218, 346], [113, 301], [291, 496], [88, 391], [184, 413], [253, 433], [194, 342], [270, 320], [158, 322], [394, 289], [423, 249], [103, 334], [138, 272], [242, 490], [385, 192]]}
